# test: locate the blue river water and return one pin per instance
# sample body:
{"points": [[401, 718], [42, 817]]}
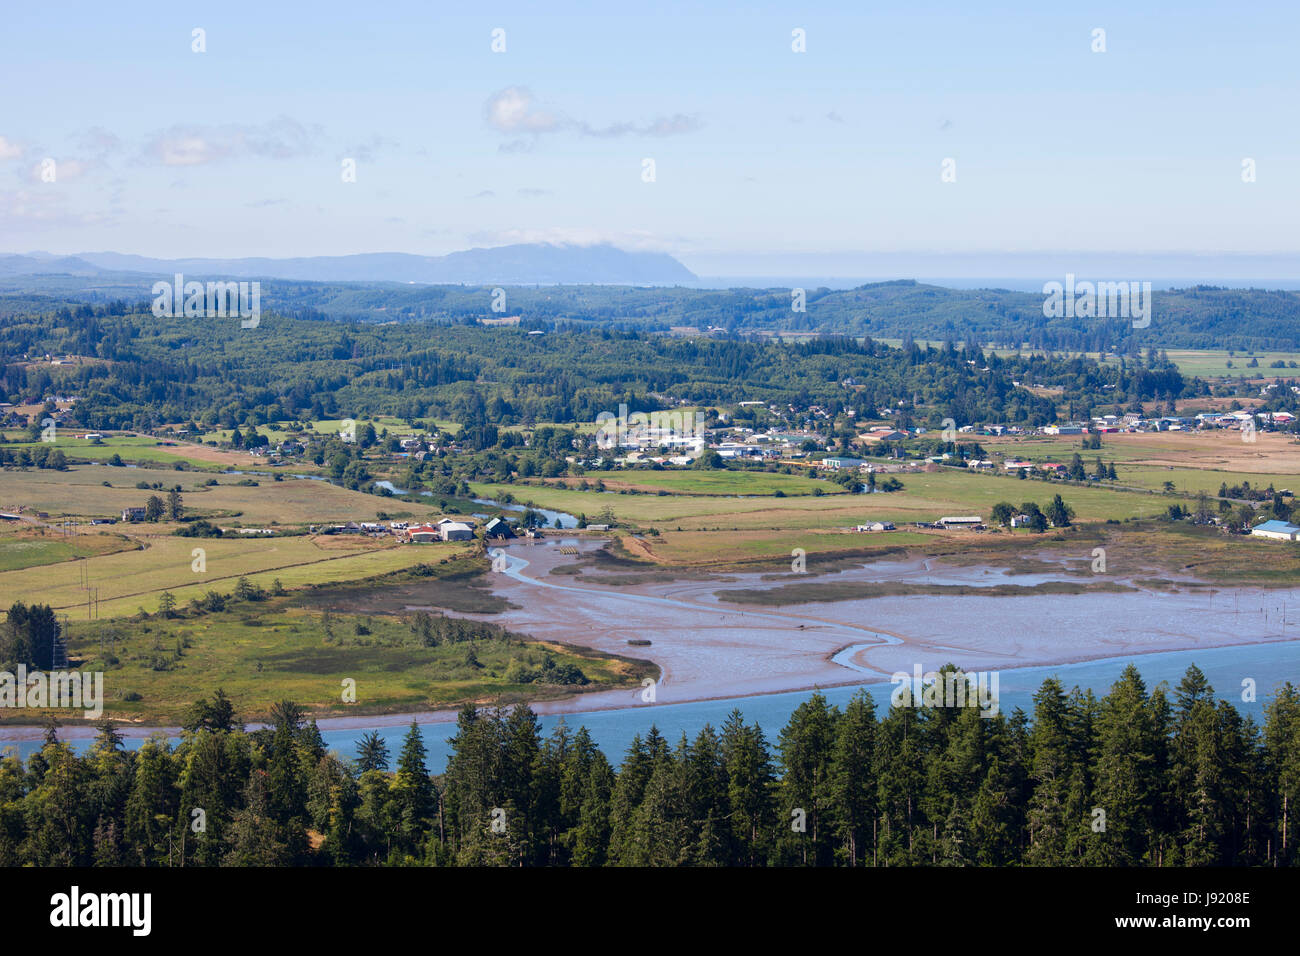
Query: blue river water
{"points": [[1267, 665]]}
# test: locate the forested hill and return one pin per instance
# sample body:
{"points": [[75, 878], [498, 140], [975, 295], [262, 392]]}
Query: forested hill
{"points": [[142, 371], [1200, 317]]}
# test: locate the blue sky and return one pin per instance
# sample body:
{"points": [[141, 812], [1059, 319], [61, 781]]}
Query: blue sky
{"points": [[759, 152]]}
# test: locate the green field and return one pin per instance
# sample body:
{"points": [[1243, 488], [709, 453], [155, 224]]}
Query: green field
{"points": [[925, 497], [132, 449], [1206, 364], [29, 549], [1192, 481], [722, 483], [1201, 363], [261, 652]]}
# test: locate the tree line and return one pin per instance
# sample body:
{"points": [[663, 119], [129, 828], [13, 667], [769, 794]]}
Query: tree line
{"points": [[1136, 778]]}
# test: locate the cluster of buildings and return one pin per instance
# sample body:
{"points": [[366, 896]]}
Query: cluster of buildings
{"points": [[451, 529]]}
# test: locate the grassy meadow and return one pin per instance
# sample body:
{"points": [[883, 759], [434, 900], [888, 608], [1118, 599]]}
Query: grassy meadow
{"points": [[262, 652]]}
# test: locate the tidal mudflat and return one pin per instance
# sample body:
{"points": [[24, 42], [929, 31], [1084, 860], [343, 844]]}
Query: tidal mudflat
{"points": [[709, 647]]}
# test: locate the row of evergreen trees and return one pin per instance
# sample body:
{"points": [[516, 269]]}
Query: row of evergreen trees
{"points": [[1135, 778]]}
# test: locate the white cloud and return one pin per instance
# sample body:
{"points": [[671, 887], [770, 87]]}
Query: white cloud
{"points": [[513, 110], [9, 150], [178, 148]]}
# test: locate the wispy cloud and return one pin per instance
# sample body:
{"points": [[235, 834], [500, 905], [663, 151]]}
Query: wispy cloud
{"points": [[47, 208], [99, 142], [366, 150], [9, 149], [515, 111], [280, 138]]}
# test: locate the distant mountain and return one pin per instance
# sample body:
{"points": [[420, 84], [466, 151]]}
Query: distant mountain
{"points": [[45, 264], [524, 264]]}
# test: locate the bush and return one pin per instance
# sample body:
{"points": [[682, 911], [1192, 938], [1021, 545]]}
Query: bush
{"points": [[199, 529]]}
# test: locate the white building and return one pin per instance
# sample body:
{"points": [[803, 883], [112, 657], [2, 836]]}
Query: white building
{"points": [[1282, 530]]}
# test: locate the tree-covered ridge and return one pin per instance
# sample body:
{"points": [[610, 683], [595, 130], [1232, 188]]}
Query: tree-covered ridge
{"points": [[1136, 778], [149, 371], [1198, 317]]}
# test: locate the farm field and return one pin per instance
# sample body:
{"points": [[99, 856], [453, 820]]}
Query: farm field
{"points": [[925, 497], [1213, 363], [1201, 363], [128, 580], [141, 449], [709, 482], [1221, 450], [80, 491], [26, 547], [685, 549]]}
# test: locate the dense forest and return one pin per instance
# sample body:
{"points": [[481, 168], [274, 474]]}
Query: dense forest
{"points": [[1137, 778], [148, 371], [1200, 317]]}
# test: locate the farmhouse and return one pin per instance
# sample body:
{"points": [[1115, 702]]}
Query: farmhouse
{"points": [[423, 534], [877, 526], [132, 514], [1283, 530]]}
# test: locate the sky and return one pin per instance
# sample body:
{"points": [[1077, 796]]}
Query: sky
{"points": [[763, 157]]}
